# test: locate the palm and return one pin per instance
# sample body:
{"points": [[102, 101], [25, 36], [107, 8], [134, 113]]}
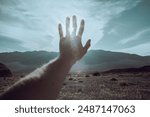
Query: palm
{"points": [[71, 45]]}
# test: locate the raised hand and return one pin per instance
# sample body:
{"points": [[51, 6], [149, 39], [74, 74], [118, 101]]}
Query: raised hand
{"points": [[46, 82], [70, 45]]}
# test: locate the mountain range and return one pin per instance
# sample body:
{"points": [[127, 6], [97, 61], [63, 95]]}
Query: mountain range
{"points": [[94, 60]]}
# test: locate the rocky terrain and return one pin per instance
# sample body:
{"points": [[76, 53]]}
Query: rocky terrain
{"points": [[98, 85], [102, 75]]}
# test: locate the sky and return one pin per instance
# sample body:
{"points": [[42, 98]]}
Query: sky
{"points": [[115, 25]]}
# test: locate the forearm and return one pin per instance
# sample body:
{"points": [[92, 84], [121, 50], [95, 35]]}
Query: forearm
{"points": [[43, 83]]}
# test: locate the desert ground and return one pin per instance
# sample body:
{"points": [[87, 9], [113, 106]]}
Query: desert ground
{"points": [[98, 86]]}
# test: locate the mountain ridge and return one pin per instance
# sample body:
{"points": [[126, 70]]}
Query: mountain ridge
{"points": [[94, 60], [129, 70]]}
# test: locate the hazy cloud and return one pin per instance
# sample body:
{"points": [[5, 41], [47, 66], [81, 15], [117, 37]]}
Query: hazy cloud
{"points": [[130, 29], [10, 44], [34, 23]]}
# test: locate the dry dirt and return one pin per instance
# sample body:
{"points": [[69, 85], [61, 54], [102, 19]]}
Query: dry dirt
{"points": [[108, 86]]}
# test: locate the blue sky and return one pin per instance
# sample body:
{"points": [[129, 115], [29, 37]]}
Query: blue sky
{"points": [[116, 25]]}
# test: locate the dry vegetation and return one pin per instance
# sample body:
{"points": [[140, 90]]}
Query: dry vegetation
{"points": [[107, 86], [102, 86]]}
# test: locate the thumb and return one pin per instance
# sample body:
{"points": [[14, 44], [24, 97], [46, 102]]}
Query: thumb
{"points": [[87, 45], [85, 48]]}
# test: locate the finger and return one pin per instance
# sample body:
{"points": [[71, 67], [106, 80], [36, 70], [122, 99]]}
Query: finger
{"points": [[60, 31], [74, 21], [87, 45], [67, 26], [81, 29]]}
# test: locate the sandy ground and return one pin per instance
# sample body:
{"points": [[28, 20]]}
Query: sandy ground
{"points": [[108, 86]]}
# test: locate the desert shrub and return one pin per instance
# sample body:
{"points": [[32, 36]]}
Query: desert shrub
{"points": [[79, 90], [74, 79], [64, 83], [80, 81], [113, 79], [70, 78], [21, 76], [96, 74], [132, 83], [123, 84]]}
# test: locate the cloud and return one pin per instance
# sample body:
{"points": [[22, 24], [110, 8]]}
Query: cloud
{"points": [[137, 39], [10, 44], [130, 28], [30, 39], [34, 23], [141, 49]]}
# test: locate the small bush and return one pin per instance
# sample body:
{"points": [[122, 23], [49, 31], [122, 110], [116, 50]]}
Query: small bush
{"points": [[132, 83], [79, 90], [80, 81], [70, 78], [113, 79], [74, 79], [123, 84], [21, 76], [96, 74], [64, 83]]}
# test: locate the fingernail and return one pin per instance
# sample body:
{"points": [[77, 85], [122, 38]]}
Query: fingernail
{"points": [[82, 21], [74, 16], [68, 18]]}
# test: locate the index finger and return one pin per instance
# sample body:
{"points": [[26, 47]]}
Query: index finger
{"points": [[60, 31]]}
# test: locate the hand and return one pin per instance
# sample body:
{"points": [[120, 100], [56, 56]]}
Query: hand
{"points": [[70, 46]]}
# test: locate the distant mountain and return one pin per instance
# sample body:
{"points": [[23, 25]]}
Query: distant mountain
{"points": [[106, 60], [129, 70], [94, 60], [26, 61]]}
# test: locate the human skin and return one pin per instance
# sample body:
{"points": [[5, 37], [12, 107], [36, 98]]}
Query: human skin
{"points": [[45, 83]]}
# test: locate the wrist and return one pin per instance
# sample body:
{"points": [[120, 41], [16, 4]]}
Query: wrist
{"points": [[67, 60]]}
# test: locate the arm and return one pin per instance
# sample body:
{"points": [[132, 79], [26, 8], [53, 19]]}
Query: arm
{"points": [[46, 82]]}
